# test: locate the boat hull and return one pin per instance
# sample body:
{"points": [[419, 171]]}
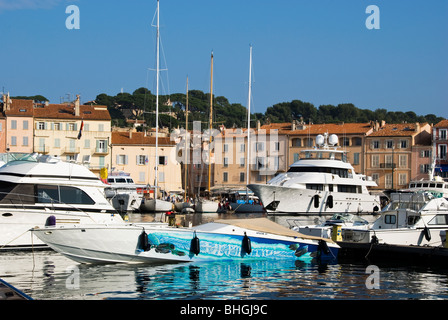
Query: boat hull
{"points": [[284, 200], [114, 244], [15, 224], [155, 205], [206, 206]]}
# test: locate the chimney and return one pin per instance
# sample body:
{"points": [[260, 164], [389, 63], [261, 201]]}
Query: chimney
{"points": [[258, 125], [6, 102], [293, 125], [383, 123], [130, 133], [417, 127], [77, 113]]}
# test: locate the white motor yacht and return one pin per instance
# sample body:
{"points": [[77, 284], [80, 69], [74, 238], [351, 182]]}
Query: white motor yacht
{"points": [[410, 219], [122, 193], [320, 183], [43, 190]]}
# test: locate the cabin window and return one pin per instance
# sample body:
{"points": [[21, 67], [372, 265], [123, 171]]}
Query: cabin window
{"points": [[349, 188], [315, 186], [390, 219], [62, 194], [413, 220], [439, 219], [47, 194], [11, 193]]}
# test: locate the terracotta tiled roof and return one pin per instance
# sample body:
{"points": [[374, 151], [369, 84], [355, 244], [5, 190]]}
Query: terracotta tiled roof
{"points": [[63, 111], [315, 129], [138, 138], [20, 108], [397, 129], [442, 124]]}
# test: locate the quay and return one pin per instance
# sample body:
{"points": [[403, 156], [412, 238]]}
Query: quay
{"points": [[393, 253]]}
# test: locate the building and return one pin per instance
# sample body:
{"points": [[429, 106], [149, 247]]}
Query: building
{"points": [[232, 165], [440, 140], [19, 124], [389, 152], [134, 153], [75, 132]]}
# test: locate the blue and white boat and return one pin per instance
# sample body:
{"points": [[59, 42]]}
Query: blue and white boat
{"points": [[239, 239]]}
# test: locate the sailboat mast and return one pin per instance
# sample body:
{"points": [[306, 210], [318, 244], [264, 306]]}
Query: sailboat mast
{"points": [[210, 125], [186, 152], [157, 104], [248, 120]]}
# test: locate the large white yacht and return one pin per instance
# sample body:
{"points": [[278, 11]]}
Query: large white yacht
{"points": [[322, 182], [38, 190]]}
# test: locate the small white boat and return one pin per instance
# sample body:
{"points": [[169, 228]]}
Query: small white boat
{"points": [[155, 205], [410, 219], [206, 206], [122, 193], [240, 239], [326, 229]]}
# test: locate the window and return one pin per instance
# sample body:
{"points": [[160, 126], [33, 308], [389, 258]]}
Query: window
{"points": [[163, 160], [389, 144], [315, 186], [242, 177], [102, 161], [296, 142], [357, 141], [242, 147], [403, 144], [349, 188], [356, 158], [71, 127], [375, 160], [25, 124], [161, 176], [424, 168], [259, 146], [296, 157], [375, 144], [122, 159], [242, 162], [402, 178], [13, 124], [13, 140], [74, 196], [390, 219], [389, 160], [403, 161], [346, 142], [439, 219], [442, 134], [442, 151], [41, 126], [425, 154], [376, 178], [276, 146], [226, 147], [101, 146], [226, 162], [388, 182], [57, 126], [141, 160], [225, 176], [25, 141]]}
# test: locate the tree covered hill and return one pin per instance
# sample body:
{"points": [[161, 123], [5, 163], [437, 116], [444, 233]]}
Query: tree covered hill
{"points": [[141, 105]]}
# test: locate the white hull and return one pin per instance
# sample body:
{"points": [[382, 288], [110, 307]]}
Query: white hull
{"points": [[206, 206], [217, 241], [126, 202], [15, 224], [155, 205], [399, 236], [301, 201]]}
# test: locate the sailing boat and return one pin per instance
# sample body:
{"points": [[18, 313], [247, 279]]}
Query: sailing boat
{"points": [[203, 205], [156, 205], [247, 205]]}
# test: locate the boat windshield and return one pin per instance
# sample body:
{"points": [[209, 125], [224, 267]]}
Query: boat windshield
{"points": [[319, 154]]}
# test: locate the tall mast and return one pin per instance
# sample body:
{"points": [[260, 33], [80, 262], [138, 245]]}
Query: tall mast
{"points": [[157, 105], [186, 152], [248, 121], [210, 124]]}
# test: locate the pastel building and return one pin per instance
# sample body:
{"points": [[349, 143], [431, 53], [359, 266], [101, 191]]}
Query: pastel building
{"points": [[134, 153], [19, 124]]}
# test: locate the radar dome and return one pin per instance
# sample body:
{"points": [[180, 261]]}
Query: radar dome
{"points": [[333, 139], [320, 140]]}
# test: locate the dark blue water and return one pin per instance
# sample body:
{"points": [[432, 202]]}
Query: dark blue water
{"points": [[46, 275]]}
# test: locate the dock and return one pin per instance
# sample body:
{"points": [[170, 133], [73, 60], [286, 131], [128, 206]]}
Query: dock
{"points": [[417, 254]]}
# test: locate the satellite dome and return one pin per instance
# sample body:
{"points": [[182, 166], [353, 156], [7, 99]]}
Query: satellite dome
{"points": [[320, 140], [333, 139]]}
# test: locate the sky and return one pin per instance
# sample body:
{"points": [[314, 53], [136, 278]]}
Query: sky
{"points": [[318, 51]]}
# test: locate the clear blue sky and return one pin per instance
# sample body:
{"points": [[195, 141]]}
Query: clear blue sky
{"points": [[317, 51]]}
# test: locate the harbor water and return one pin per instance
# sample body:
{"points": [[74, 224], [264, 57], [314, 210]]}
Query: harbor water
{"points": [[47, 275]]}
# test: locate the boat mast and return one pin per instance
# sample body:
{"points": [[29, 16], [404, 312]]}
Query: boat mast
{"points": [[248, 122], [186, 152], [157, 106], [210, 125]]}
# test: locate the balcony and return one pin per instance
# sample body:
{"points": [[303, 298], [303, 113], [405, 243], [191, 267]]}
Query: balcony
{"points": [[70, 150], [388, 165], [101, 151]]}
